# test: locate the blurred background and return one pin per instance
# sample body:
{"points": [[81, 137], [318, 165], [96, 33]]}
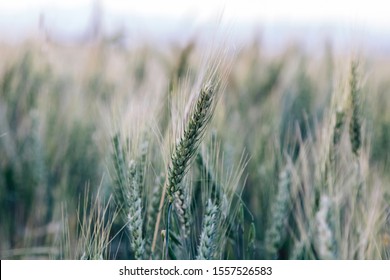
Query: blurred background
{"points": [[345, 23], [76, 74]]}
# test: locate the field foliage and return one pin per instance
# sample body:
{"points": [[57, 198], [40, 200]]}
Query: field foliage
{"points": [[193, 151]]}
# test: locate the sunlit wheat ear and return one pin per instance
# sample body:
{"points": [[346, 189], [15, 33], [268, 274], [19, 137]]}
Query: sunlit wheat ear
{"points": [[355, 124], [324, 236], [276, 232], [207, 244], [186, 148]]}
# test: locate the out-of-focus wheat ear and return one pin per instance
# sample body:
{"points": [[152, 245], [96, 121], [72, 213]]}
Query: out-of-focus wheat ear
{"points": [[251, 250], [276, 232], [153, 208], [185, 150], [143, 149], [338, 129], [120, 179], [207, 243], [39, 173], [355, 124], [324, 237], [135, 221]]}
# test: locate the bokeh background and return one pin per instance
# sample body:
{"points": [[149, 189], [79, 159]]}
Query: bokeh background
{"points": [[75, 73]]}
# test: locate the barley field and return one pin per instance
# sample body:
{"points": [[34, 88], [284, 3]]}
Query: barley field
{"points": [[199, 150]]}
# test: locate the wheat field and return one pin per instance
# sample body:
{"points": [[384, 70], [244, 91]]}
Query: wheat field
{"points": [[193, 151]]}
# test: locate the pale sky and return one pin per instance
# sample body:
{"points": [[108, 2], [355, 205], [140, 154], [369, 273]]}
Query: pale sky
{"points": [[67, 17]]}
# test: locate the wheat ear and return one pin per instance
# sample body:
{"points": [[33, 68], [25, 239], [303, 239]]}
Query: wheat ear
{"points": [[185, 150], [324, 233], [276, 232], [355, 124], [207, 242], [135, 222]]}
